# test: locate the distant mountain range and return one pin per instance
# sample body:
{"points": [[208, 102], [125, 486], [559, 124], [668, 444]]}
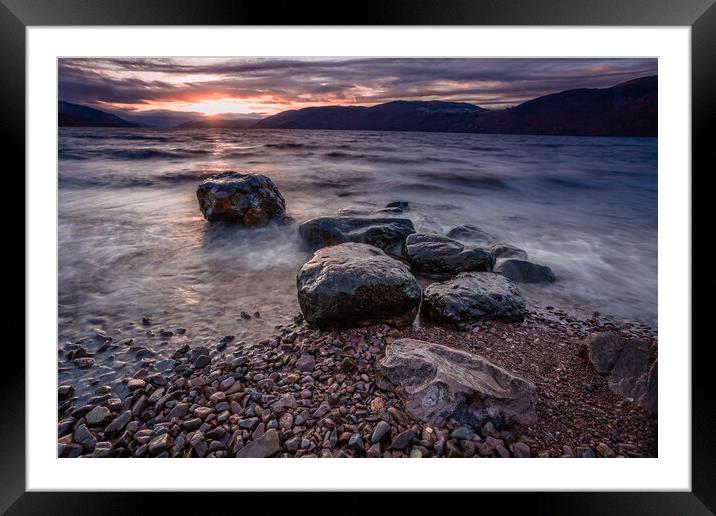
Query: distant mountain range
{"points": [[76, 115], [400, 115], [627, 109]]}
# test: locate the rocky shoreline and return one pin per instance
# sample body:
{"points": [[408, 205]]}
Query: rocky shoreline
{"points": [[375, 366], [311, 393]]}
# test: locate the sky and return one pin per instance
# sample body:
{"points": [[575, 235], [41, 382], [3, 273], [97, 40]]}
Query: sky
{"points": [[168, 91]]}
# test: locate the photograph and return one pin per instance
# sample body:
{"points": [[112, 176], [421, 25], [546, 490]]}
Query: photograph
{"points": [[357, 257]]}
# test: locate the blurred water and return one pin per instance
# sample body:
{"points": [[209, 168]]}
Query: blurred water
{"points": [[133, 242]]}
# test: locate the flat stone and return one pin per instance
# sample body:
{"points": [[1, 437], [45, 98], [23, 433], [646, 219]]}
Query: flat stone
{"points": [[386, 233], [436, 383], [98, 416], [118, 424], [403, 439], [471, 233], [442, 257], [306, 363], [265, 446]]}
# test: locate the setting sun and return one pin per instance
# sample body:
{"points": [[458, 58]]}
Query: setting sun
{"points": [[215, 107]]}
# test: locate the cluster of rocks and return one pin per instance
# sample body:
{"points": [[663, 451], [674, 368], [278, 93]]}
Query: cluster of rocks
{"points": [[302, 393], [363, 269]]}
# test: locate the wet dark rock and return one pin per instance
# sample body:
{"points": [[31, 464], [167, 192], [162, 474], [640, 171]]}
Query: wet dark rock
{"points": [[356, 284], [134, 384], [401, 205], [84, 362], [471, 297], [64, 392], [522, 271], [84, 437], [436, 383], [504, 251], [160, 444], [265, 446], [355, 443], [118, 424], [102, 450], [440, 257], [248, 199], [630, 366], [98, 416], [471, 233], [201, 361], [386, 233], [380, 432]]}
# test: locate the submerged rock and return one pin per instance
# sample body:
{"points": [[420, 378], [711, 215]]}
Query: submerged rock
{"points": [[471, 233], [249, 199], [437, 383], [356, 284], [387, 233], [504, 251], [471, 297], [438, 256], [522, 271], [630, 365]]}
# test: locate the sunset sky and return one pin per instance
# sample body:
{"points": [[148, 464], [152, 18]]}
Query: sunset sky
{"points": [[167, 91]]}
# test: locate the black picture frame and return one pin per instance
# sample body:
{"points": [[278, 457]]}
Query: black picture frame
{"points": [[700, 15]]}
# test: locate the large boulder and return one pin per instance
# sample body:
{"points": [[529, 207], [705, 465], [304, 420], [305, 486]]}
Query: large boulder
{"points": [[437, 383], [351, 285], [471, 233], [387, 233], [248, 199], [439, 257], [630, 366], [521, 271], [471, 297]]}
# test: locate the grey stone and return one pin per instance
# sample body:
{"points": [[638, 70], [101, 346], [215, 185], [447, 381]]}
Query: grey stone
{"points": [[442, 257], [471, 297], [352, 285], [436, 383], [380, 432]]}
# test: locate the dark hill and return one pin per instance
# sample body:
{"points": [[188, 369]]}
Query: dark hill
{"points": [[76, 115], [400, 115], [627, 109]]}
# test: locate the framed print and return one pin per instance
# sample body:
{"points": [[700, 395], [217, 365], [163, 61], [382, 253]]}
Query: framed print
{"points": [[434, 234]]}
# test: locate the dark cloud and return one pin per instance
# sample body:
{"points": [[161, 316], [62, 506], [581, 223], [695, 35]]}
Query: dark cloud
{"points": [[281, 83]]}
